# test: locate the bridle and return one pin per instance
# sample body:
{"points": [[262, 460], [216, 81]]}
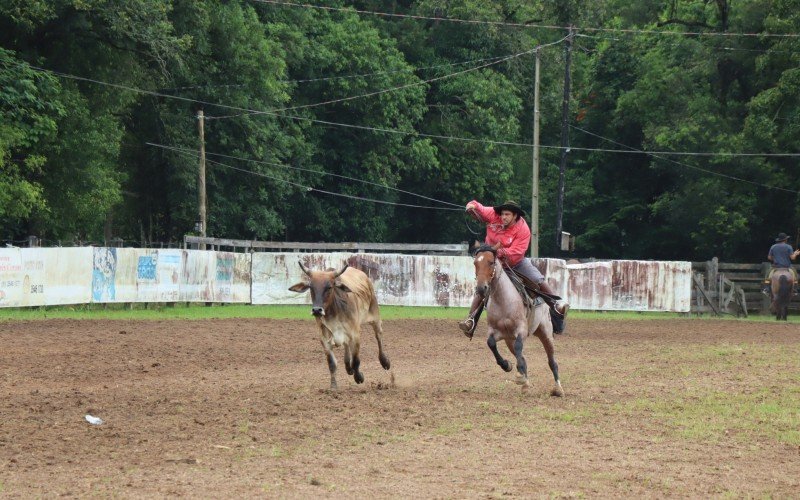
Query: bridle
{"points": [[491, 278]]}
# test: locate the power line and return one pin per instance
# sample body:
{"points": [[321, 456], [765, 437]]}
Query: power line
{"points": [[332, 193], [526, 25], [379, 73], [654, 155], [709, 47], [340, 77], [393, 131], [384, 91], [280, 165]]}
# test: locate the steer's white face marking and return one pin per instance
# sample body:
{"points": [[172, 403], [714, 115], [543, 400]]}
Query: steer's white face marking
{"points": [[479, 259]]}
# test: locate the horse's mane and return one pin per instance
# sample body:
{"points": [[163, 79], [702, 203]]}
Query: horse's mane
{"points": [[485, 248]]}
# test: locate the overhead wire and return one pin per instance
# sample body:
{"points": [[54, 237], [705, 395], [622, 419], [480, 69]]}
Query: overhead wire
{"points": [[526, 24], [711, 47], [338, 77], [656, 155], [317, 172], [394, 131], [323, 191], [380, 73], [392, 89]]}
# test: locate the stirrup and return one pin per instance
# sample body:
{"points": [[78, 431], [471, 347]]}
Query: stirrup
{"points": [[467, 327], [564, 308]]}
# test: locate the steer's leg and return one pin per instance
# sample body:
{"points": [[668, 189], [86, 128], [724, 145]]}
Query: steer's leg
{"points": [[357, 375], [331, 362], [348, 359], [378, 327]]}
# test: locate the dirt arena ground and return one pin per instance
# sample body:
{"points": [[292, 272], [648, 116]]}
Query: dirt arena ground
{"points": [[239, 408]]}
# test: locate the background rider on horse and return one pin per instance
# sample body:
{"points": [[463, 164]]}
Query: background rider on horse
{"points": [[509, 234], [781, 255]]}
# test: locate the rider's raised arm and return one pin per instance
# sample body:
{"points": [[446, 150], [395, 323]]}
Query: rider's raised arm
{"points": [[484, 214]]}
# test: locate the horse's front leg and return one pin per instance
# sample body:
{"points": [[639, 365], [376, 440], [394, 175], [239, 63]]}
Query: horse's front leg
{"points": [[492, 343], [547, 342], [515, 345]]}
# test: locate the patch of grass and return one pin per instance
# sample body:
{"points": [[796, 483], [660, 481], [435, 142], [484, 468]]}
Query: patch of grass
{"points": [[453, 428], [196, 311], [716, 415]]}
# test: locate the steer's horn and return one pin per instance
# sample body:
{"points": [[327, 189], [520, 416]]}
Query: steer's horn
{"points": [[304, 269], [340, 272]]}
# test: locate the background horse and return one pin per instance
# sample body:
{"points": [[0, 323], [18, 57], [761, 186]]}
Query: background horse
{"points": [[781, 282], [509, 318]]}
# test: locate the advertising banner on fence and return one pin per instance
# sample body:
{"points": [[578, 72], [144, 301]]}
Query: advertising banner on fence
{"points": [[52, 276], [169, 275], [216, 277], [424, 280], [409, 280], [45, 276]]}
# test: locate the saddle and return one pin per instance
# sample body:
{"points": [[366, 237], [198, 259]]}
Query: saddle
{"points": [[525, 288]]}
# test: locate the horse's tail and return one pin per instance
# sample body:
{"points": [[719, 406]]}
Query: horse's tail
{"points": [[784, 288]]}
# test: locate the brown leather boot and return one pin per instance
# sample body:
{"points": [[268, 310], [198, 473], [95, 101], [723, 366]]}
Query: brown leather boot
{"points": [[560, 306], [469, 325]]}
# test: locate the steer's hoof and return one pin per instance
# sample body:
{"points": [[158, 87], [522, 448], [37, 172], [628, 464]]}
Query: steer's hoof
{"points": [[385, 362], [359, 378]]}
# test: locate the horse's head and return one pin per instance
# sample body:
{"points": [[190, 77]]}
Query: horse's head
{"points": [[485, 269], [325, 289]]}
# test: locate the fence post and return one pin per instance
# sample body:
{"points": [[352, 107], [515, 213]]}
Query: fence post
{"points": [[33, 241], [765, 302], [712, 270]]}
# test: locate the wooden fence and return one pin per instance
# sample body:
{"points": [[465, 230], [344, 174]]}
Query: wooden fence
{"points": [[727, 288], [200, 242]]}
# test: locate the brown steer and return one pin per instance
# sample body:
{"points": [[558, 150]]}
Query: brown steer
{"points": [[342, 302]]}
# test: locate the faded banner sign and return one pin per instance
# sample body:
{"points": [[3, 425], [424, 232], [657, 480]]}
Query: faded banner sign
{"points": [[210, 276], [409, 280], [424, 280], [52, 276], [45, 276], [169, 275]]}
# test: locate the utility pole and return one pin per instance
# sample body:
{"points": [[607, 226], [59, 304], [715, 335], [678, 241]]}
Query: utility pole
{"points": [[535, 182], [562, 168], [201, 176]]}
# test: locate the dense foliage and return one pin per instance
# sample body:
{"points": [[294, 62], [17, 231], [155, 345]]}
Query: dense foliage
{"points": [[75, 164]]}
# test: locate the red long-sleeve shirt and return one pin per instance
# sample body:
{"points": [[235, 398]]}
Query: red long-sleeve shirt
{"points": [[515, 238]]}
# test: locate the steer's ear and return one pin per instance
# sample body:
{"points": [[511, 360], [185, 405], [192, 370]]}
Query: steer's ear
{"points": [[341, 286], [299, 287]]}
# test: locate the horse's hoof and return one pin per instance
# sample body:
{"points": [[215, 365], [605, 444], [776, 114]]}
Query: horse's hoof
{"points": [[507, 367], [523, 381], [557, 391]]}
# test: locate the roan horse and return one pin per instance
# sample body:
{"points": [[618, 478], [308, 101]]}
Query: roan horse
{"points": [[341, 301], [781, 283], [510, 319]]}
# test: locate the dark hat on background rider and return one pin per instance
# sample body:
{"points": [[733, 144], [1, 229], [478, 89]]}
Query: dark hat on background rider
{"points": [[511, 206], [781, 237]]}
